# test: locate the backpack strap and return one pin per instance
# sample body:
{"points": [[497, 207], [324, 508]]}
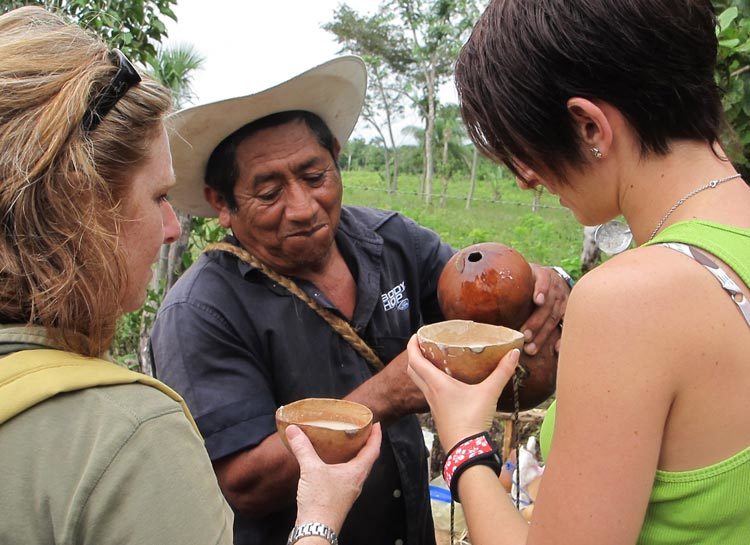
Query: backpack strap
{"points": [[29, 377]]}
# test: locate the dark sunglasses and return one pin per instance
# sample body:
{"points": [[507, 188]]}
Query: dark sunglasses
{"points": [[104, 101]]}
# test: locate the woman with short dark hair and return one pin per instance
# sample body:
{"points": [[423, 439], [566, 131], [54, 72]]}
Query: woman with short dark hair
{"points": [[612, 106]]}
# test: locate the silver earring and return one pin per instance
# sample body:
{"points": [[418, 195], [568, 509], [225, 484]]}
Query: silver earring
{"points": [[596, 153]]}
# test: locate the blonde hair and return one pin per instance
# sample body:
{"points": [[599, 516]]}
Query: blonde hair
{"points": [[60, 187]]}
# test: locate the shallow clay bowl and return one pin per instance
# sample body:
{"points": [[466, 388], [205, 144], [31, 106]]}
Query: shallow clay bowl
{"points": [[337, 428], [468, 351]]}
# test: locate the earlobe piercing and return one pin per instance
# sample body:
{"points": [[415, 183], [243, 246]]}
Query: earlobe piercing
{"points": [[596, 153]]}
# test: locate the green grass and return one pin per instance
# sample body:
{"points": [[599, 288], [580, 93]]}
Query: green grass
{"points": [[550, 236]]}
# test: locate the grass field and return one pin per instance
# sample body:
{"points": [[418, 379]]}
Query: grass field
{"points": [[549, 236]]}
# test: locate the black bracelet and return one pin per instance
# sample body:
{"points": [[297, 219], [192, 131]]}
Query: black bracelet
{"points": [[489, 457]]}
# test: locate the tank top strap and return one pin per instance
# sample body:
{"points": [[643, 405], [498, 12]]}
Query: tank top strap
{"points": [[729, 285]]}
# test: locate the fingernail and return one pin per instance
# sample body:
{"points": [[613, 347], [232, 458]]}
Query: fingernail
{"points": [[292, 432], [515, 355], [527, 335], [539, 299], [530, 349]]}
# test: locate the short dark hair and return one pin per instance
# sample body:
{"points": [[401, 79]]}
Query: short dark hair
{"points": [[222, 170], [653, 60]]}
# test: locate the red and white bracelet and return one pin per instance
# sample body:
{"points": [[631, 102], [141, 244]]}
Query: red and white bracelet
{"points": [[474, 450]]}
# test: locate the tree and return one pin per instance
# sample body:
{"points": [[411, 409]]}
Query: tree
{"points": [[135, 26], [733, 76], [434, 30], [472, 176], [417, 42], [450, 134], [380, 43]]}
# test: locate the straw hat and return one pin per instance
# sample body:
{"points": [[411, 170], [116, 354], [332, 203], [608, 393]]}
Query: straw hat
{"points": [[335, 91]]}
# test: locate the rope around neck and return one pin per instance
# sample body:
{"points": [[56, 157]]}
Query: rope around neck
{"points": [[339, 325]]}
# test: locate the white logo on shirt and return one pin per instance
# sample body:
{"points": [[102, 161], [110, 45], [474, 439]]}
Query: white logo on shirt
{"points": [[395, 298]]}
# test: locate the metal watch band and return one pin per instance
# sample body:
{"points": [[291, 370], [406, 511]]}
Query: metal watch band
{"points": [[308, 529], [564, 275]]}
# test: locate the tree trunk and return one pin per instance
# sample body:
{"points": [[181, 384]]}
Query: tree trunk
{"points": [[393, 182], [444, 166], [169, 268], [394, 186], [472, 177], [387, 165], [423, 178], [160, 274], [145, 363], [590, 253], [429, 171], [176, 250], [536, 204]]}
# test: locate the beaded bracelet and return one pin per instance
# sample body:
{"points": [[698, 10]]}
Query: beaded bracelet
{"points": [[474, 450]]}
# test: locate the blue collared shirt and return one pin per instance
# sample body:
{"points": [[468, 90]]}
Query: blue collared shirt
{"points": [[236, 346]]}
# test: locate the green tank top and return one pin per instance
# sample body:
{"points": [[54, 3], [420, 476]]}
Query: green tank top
{"points": [[710, 505]]}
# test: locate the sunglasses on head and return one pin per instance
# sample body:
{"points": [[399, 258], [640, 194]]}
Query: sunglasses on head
{"points": [[104, 101]]}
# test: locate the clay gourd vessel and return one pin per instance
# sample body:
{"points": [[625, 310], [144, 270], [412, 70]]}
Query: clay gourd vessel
{"points": [[489, 283], [468, 351], [493, 284], [337, 428]]}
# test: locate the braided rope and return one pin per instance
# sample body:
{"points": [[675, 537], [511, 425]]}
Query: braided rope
{"points": [[340, 326]]}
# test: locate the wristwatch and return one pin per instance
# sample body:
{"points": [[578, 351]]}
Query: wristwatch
{"points": [[564, 275], [312, 529]]}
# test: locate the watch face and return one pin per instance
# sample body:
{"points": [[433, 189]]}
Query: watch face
{"points": [[613, 237]]}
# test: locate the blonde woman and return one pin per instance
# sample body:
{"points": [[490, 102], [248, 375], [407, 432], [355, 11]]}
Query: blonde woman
{"points": [[92, 453]]}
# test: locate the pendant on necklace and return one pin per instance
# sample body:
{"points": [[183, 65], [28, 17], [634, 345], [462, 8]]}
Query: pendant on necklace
{"points": [[613, 237]]}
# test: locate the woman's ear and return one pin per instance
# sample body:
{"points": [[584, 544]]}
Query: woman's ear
{"points": [[592, 125]]}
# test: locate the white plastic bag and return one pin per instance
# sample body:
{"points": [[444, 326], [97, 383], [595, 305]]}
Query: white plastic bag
{"points": [[529, 469]]}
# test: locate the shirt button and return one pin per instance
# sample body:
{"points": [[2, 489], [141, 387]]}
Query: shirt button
{"points": [[397, 493], [399, 542]]}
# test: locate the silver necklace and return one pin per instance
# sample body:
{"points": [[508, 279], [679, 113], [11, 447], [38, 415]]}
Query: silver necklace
{"points": [[615, 236], [675, 206]]}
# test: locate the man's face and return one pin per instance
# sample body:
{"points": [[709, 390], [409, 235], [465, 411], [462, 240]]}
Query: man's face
{"points": [[288, 195]]}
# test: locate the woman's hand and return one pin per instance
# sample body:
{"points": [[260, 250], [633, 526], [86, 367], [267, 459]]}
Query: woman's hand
{"points": [[550, 297], [459, 409], [326, 492]]}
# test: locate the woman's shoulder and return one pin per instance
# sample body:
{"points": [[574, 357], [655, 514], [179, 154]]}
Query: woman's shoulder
{"points": [[113, 413], [649, 276], [652, 302], [129, 442]]}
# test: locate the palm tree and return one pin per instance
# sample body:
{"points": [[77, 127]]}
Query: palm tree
{"points": [[174, 67]]}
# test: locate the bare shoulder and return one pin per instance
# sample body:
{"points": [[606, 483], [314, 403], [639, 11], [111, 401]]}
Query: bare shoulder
{"points": [[638, 285], [653, 304]]}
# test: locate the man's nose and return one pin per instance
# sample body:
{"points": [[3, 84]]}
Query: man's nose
{"points": [[301, 206]]}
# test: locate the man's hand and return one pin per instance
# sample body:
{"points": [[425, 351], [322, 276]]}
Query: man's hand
{"points": [[391, 394], [550, 296]]}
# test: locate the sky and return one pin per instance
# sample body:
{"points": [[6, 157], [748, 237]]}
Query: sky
{"points": [[249, 45]]}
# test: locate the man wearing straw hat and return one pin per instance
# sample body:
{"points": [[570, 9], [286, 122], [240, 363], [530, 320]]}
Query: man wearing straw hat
{"points": [[306, 298]]}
